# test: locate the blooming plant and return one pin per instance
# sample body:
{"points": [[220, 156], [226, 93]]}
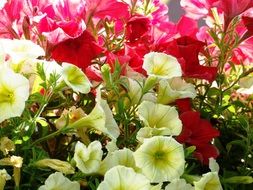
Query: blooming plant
{"points": [[112, 95]]}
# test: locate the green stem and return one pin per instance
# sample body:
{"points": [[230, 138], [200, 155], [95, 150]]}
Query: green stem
{"points": [[56, 133]]}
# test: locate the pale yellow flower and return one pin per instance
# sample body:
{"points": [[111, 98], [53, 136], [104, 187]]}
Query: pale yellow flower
{"points": [[58, 181], [123, 178], [179, 184], [55, 164], [209, 181], [88, 159], [160, 159], [4, 176], [162, 118], [173, 89], [75, 78], [101, 119], [161, 65], [14, 91], [123, 157], [6, 145], [15, 161], [21, 50], [135, 93]]}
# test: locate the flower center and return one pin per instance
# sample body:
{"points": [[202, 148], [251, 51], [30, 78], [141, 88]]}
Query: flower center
{"points": [[159, 155], [6, 95]]}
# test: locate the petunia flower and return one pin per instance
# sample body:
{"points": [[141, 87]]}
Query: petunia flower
{"points": [[173, 89], [4, 176], [14, 91], [186, 50], [233, 8], [209, 180], [179, 184], [161, 65], [72, 50], [61, 20], [162, 118], [248, 22], [88, 159], [58, 181], [100, 118], [123, 178], [21, 50], [198, 132], [106, 8], [160, 159], [123, 157], [136, 27], [75, 78]]}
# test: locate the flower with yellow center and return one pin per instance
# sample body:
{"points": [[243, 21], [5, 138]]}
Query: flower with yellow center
{"points": [[161, 65], [160, 119], [57, 181], [123, 178], [14, 91], [160, 159], [75, 78]]}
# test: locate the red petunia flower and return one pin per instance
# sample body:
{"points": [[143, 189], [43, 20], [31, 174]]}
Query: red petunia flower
{"points": [[136, 27], [248, 22], [187, 49], [79, 51], [198, 132], [206, 151]]}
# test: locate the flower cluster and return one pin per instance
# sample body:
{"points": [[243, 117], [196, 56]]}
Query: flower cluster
{"points": [[110, 94]]}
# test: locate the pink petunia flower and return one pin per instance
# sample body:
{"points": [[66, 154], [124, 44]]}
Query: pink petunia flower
{"points": [[62, 20]]}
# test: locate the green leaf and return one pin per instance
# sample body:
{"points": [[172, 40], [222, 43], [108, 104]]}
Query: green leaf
{"points": [[239, 179]]}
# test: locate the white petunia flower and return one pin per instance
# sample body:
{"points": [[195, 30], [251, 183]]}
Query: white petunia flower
{"points": [[173, 89], [161, 65], [75, 78], [162, 118], [58, 181], [21, 50], [100, 118], [123, 178], [135, 92], [209, 181], [160, 159], [122, 157], [179, 184], [88, 159], [14, 91]]}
